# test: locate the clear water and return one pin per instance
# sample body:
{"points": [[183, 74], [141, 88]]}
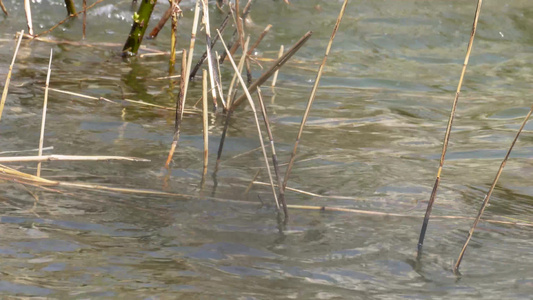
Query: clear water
{"points": [[374, 137]]}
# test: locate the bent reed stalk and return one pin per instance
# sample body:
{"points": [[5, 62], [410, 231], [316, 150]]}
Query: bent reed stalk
{"points": [[487, 197], [447, 134]]}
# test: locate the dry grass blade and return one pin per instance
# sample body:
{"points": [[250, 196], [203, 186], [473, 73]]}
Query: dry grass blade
{"points": [[278, 64], [213, 76], [447, 134], [45, 104], [310, 101], [487, 197], [252, 106], [68, 158], [8, 78]]}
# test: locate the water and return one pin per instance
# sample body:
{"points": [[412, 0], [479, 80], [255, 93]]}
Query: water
{"points": [[373, 137]]}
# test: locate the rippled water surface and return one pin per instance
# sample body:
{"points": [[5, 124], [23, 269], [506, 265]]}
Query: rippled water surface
{"points": [[372, 143]]}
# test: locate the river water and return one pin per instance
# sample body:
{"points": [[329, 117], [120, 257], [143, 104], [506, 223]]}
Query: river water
{"points": [[372, 143]]}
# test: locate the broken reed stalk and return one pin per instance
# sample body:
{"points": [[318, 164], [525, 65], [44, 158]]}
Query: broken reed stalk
{"points": [[71, 8], [487, 197], [205, 123], [276, 66], [180, 105], [45, 105], [229, 112], [447, 134], [84, 6], [252, 106], [204, 56], [8, 78], [3, 8], [27, 10], [274, 156], [235, 42], [259, 39], [275, 77], [66, 19], [213, 78], [57, 157], [310, 102], [140, 22]]}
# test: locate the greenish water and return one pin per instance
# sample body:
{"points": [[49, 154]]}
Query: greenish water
{"points": [[374, 137]]}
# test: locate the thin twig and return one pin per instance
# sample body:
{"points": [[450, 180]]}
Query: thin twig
{"points": [[67, 157], [45, 104], [487, 197], [8, 78], [252, 106], [447, 134], [310, 101]]}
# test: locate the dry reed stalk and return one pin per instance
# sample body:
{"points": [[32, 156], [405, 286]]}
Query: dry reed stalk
{"points": [[447, 134], [259, 39], [487, 197], [3, 8], [213, 77], [277, 64], [45, 105], [236, 42], [173, 35], [27, 10], [58, 157], [249, 187], [67, 18], [8, 78], [204, 56], [310, 101], [275, 77], [191, 50], [252, 106], [229, 112], [204, 117], [180, 104], [84, 7], [271, 139]]}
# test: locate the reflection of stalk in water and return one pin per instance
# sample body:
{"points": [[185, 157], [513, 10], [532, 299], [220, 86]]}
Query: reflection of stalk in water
{"points": [[487, 197], [140, 23], [447, 134]]}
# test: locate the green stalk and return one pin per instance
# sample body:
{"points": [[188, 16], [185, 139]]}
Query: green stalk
{"points": [[71, 8], [140, 23]]}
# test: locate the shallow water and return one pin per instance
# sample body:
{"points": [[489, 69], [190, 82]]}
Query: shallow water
{"points": [[372, 143]]}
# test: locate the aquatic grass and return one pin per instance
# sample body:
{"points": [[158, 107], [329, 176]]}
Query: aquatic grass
{"points": [[173, 35], [310, 102], [447, 134], [45, 105], [140, 22], [27, 11], [9, 72], [252, 106], [489, 193]]}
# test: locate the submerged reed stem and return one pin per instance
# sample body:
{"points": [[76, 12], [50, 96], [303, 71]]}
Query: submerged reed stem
{"points": [[487, 197], [447, 134]]}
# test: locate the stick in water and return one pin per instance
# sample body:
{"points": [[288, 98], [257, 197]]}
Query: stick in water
{"points": [[45, 104], [310, 102], [487, 197], [447, 135]]}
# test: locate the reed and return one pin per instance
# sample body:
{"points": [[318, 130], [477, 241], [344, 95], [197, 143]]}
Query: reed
{"points": [[275, 77], [27, 10], [173, 35], [213, 76], [45, 105], [447, 134], [66, 19], [205, 119], [140, 23], [168, 13], [84, 5], [58, 157], [3, 8], [489, 193], [71, 8], [252, 106], [8, 78], [310, 102]]}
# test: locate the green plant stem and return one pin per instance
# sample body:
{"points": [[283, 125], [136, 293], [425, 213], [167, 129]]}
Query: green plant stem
{"points": [[71, 8], [140, 23]]}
